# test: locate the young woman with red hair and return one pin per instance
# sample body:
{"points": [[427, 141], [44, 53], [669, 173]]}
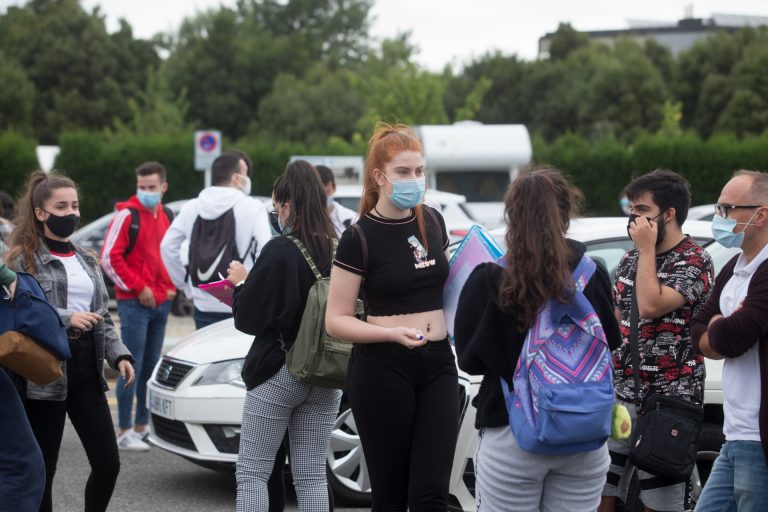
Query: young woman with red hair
{"points": [[402, 378]]}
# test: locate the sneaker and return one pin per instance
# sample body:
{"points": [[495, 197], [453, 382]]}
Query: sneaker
{"points": [[143, 435], [131, 441]]}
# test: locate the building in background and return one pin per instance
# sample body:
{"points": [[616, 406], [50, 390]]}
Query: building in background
{"points": [[678, 36]]}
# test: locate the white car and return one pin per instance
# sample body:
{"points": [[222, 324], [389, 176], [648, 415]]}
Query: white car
{"points": [[703, 212], [458, 219], [196, 394]]}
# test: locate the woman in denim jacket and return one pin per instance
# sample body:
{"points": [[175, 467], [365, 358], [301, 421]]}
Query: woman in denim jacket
{"points": [[72, 281]]}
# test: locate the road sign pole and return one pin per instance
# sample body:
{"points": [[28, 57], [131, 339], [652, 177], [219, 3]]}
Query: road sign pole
{"points": [[207, 179]]}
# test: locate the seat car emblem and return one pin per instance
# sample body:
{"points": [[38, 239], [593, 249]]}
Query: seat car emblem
{"points": [[164, 372]]}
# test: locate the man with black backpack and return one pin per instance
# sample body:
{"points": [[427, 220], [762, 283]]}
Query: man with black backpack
{"points": [[223, 224], [131, 258]]}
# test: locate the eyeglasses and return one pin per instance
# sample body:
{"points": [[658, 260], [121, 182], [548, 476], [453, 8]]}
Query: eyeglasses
{"points": [[723, 209]]}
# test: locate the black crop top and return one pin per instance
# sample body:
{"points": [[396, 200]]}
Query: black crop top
{"points": [[399, 278]]}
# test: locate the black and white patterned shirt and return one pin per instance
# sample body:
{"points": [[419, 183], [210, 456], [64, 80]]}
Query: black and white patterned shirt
{"points": [[668, 364]]}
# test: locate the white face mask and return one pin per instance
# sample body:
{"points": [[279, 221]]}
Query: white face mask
{"points": [[245, 186]]}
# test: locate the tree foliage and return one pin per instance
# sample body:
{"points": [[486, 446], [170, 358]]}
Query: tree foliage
{"points": [[82, 75]]}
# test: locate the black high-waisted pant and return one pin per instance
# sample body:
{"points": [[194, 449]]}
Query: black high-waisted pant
{"points": [[89, 413], [405, 404]]}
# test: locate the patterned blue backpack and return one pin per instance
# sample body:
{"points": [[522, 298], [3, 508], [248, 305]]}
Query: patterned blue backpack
{"points": [[563, 383]]}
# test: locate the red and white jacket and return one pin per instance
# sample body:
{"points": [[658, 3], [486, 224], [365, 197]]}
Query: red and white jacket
{"points": [[144, 265]]}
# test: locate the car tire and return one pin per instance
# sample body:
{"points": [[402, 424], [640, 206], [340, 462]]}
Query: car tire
{"points": [[346, 468], [182, 306]]}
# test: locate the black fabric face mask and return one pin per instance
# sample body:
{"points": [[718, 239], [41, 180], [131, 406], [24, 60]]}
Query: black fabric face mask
{"points": [[62, 225], [660, 222]]}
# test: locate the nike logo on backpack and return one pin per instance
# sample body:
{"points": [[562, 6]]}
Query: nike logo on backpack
{"points": [[205, 276]]}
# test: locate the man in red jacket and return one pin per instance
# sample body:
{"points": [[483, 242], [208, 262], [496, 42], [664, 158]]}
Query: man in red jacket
{"points": [[131, 258], [733, 326]]}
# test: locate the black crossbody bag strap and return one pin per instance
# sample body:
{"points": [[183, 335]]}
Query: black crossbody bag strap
{"points": [[634, 321]]}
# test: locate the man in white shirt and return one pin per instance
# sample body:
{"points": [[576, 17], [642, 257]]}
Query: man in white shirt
{"points": [[228, 198], [341, 217], [733, 326]]}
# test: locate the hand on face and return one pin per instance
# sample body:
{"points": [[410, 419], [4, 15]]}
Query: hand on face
{"points": [[644, 233]]}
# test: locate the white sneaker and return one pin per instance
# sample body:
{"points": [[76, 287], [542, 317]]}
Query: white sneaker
{"points": [[131, 441]]}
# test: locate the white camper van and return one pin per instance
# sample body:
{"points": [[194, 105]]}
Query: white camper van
{"points": [[477, 161]]}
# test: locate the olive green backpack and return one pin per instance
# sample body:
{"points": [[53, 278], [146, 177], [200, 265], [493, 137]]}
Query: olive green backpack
{"points": [[317, 358]]}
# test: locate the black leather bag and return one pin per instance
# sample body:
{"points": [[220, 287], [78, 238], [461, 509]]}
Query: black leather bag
{"points": [[666, 437], [666, 434]]}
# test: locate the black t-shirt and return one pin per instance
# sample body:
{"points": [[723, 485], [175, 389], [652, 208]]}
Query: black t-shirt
{"points": [[402, 276]]}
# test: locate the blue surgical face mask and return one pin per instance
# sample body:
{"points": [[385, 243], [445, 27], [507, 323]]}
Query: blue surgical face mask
{"points": [[148, 199], [407, 194], [722, 230], [329, 201]]}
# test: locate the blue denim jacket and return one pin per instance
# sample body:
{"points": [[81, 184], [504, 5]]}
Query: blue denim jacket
{"points": [[52, 276]]}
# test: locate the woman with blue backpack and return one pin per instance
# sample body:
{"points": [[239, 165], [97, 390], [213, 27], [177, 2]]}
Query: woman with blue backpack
{"points": [[269, 303], [539, 325]]}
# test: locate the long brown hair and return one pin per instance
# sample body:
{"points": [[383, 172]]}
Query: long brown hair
{"points": [[309, 220], [386, 142], [26, 235], [538, 207]]}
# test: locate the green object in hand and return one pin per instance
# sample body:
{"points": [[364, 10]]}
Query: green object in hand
{"points": [[621, 423]]}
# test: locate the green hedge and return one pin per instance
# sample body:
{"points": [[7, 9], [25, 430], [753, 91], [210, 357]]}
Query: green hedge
{"points": [[603, 169], [103, 165]]}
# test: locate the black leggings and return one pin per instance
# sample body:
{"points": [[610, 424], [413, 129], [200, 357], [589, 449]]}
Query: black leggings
{"points": [[89, 413], [405, 403]]}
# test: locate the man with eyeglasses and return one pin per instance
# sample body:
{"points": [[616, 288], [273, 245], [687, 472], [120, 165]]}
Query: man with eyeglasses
{"points": [[672, 276], [733, 326]]}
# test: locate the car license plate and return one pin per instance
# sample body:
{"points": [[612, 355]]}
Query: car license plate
{"points": [[161, 405]]}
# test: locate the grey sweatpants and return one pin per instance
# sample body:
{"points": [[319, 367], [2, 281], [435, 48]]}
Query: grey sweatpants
{"points": [[308, 412], [510, 478]]}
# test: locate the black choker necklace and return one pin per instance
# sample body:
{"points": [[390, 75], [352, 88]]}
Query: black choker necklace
{"points": [[390, 218]]}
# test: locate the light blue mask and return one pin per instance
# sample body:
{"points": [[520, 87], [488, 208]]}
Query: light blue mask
{"points": [[722, 230], [148, 199], [329, 201], [407, 194]]}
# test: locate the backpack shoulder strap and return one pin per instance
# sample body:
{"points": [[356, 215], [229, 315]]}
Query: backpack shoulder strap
{"points": [[363, 245], [307, 256], [168, 213], [584, 272], [432, 214], [133, 231]]}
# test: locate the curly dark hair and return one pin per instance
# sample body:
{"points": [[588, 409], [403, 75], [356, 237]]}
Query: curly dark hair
{"points": [[538, 207]]}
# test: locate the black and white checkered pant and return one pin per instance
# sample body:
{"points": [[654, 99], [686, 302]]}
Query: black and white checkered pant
{"points": [[309, 413]]}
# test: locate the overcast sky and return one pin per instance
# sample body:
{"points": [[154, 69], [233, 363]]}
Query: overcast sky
{"points": [[454, 31]]}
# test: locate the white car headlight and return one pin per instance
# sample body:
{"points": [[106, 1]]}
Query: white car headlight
{"points": [[224, 372]]}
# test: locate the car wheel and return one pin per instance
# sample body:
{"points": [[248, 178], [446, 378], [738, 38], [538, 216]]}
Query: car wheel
{"points": [[347, 471], [182, 306]]}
